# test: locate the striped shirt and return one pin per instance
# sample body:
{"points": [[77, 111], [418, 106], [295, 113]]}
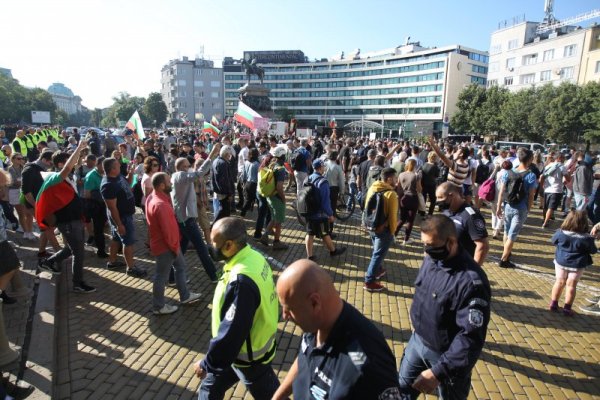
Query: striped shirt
{"points": [[458, 172]]}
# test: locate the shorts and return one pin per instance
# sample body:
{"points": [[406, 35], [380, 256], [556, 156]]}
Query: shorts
{"points": [[467, 190], [14, 197], [514, 219], [277, 209], [552, 201], [10, 260], [129, 238], [318, 227], [565, 273]]}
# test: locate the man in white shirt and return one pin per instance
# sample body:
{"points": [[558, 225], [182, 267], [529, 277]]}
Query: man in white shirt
{"points": [[552, 179]]}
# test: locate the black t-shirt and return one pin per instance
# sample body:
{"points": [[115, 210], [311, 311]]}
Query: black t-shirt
{"points": [[118, 188], [363, 171], [32, 179], [355, 362], [470, 226], [429, 175]]}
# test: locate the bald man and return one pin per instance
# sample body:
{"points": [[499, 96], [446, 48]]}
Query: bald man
{"points": [[470, 224], [343, 355]]}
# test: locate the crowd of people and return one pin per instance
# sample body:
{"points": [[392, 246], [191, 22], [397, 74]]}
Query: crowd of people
{"points": [[190, 185]]}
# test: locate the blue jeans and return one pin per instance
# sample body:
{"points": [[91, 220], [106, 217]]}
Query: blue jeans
{"points": [[260, 380], [74, 247], [164, 262], [417, 358], [190, 232], [221, 208], [581, 201], [264, 214], [514, 219], [381, 244]]}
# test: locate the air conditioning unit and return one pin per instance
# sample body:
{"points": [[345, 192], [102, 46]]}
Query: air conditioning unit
{"points": [[557, 71], [511, 69]]}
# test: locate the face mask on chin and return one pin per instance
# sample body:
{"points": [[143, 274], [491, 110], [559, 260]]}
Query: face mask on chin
{"points": [[216, 254]]}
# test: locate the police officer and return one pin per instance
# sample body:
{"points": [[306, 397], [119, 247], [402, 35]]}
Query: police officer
{"points": [[342, 354], [470, 225], [19, 144], [244, 318], [449, 314]]}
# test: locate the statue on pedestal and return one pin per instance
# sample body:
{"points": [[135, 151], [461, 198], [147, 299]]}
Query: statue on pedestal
{"points": [[252, 68]]}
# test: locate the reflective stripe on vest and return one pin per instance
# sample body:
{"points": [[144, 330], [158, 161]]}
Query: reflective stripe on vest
{"points": [[29, 142], [259, 346]]}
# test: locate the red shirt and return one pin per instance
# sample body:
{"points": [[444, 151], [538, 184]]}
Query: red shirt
{"points": [[163, 229]]}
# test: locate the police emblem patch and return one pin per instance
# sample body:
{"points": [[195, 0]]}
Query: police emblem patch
{"points": [[480, 224], [475, 318], [390, 394]]}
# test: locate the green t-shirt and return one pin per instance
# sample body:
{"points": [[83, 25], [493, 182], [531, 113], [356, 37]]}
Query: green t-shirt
{"points": [[92, 180]]}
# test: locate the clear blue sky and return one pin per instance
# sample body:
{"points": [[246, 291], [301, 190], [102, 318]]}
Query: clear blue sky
{"points": [[84, 43]]}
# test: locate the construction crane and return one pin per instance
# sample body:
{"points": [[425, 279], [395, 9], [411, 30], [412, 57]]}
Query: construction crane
{"points": [[550, 23]]}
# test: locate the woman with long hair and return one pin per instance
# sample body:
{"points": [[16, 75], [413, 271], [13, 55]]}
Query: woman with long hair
{"points": [[409, 184]]}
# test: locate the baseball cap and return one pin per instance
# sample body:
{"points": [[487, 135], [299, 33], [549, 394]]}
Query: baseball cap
{"points": [[317, 164]]}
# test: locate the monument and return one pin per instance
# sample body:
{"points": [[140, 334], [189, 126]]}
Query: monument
{"points": [[255, 96]]}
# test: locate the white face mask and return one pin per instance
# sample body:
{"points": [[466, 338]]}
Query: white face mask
{"points": [[191, 169]]}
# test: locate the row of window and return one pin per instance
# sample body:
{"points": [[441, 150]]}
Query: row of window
{"points": [[351, 93], [349, 74], [479, 69], [197, 106], [357, 102], [370, 111], [545, 76], [531, 59], [183, 82]]}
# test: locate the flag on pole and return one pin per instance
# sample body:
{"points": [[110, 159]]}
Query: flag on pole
{"points": [[210, 128], [135, 124], [215, 121], [246, 116]]}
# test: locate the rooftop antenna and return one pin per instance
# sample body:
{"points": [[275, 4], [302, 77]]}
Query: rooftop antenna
{"points": [[550, 23]]}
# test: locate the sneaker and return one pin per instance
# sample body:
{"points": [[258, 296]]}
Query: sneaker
{"points": [[29, 236], [594, 299], [495, 234], [166, 309], [101, 254], [337, 252], [193, 297], [48, 266], [264, 239], [568, 312], [136, 272], [44, 254], [553, 308], [83, 288], [506, 264], [381, 274], [373, 287], [593, 309], [90, 240], [407, 242], [257, 236], [278, 245], [115, 265]]}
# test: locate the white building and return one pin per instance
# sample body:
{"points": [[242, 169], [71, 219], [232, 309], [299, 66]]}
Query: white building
{"points": [[64, 98], [192, 89]]}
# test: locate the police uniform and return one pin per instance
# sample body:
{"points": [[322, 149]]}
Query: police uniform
{"points": [[470, 226], [449, 314], [355, 362], [245, 314]]}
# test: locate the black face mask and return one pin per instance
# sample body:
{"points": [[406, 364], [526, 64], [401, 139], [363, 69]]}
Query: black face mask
{"points": [[443, 205], [438, 253], [216, 254]]}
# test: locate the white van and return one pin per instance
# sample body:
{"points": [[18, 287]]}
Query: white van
{"points": [[530, 146]]}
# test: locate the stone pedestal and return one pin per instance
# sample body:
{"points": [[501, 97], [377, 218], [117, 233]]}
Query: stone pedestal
{"points": [[256, 97]]}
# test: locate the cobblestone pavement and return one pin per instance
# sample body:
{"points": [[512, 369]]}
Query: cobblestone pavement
{"points": [[111, 346]]}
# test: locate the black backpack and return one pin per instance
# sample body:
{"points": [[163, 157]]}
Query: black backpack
{"points": [[374, 218], [309, 198], [516, 188], [297, 160], [482, 173]]}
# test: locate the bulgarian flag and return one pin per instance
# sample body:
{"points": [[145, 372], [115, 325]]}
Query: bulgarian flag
{"points": [[210, 128], [135, 124], [214, 120], [246, 116], [54, 195]]}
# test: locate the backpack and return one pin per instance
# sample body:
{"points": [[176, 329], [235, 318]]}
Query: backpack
{"points": [[443, 176], [297, 161], [516, 188], [373, 175], [309, 198], [374, 218], [266, 181], [482, 173], [487, 190]]}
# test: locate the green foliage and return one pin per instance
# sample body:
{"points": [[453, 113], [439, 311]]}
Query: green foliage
{"points": [[284, 114], [123, 107], [560, 114], [155, 109], [17, 101]]}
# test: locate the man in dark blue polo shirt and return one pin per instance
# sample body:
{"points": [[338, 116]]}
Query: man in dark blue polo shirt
{"points": [[449, 314], [470, 224], [342, 354]]}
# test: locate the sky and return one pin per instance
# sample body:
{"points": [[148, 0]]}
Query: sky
{"points": [[99, 48]]}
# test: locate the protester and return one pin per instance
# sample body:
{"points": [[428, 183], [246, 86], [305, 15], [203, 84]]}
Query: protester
{"points": [[276, 200], [409, 186], [95, 206], [223, 183]]}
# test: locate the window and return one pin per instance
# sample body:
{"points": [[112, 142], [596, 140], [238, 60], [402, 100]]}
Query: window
{"points": [[545, 76], [181, 82], [597, 71], [492, 82], [198, 93], [566, 73], [214, 95], [530, 59], [181, 93], [508, 81], [494, 66], [549, 55], [495, 48], [527, 79], [570, 50], [198, 83], [510, 63], [479, 69], [215, 83], [198, 72], [513, 44]]}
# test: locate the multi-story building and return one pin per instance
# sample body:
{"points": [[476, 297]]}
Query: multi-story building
{"points": [[64, 98], [521, 56], [192, 89], [408, 87], [6, 72]]}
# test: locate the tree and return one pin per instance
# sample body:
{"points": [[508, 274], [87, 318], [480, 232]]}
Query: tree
{"points": [[284, 114], [488, 115], [123, 107], [155, 109], [470, 100], [590, 100], [564, 114], [96, 117], [515, 114]]}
